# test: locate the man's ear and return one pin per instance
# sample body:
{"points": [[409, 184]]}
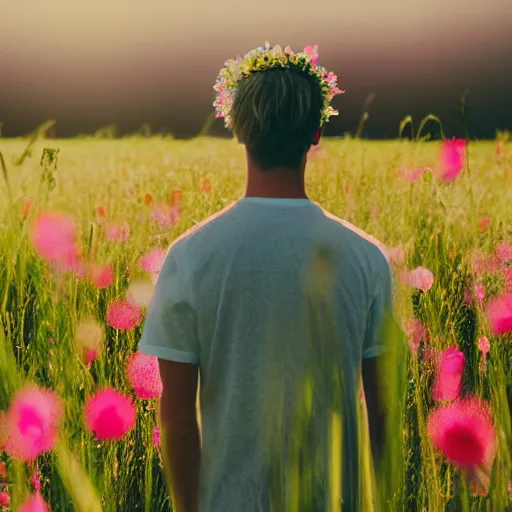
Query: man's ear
{"points": [[317, 137]]}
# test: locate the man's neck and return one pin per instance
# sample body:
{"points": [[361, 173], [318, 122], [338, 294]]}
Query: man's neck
{"points": [[276, 183]]}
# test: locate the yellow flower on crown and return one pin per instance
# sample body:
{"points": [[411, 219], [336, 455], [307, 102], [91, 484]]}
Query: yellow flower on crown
{"points": [[269, 57]]}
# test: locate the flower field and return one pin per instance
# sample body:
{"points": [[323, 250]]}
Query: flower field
{"points": [[85, 225]]}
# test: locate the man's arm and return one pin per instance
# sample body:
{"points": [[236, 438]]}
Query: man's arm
{"points": [[180, 433], [375, 405]]}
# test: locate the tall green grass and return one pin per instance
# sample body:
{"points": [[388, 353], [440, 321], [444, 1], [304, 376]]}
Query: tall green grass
{"points": [[354, 179]]}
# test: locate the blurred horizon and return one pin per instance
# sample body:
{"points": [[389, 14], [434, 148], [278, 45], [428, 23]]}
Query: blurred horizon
{"points": [[130, 64]]}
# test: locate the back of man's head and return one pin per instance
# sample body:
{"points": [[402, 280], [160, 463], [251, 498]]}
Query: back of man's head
{"points": [[276, 114]]}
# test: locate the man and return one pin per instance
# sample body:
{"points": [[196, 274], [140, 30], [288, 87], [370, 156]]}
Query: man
{"points": [[231, 304]]}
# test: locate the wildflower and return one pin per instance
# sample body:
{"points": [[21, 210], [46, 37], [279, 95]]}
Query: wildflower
{"points": [[153, 260], [452, 158], [450, 369], [89, 337], [165, 215], [3, 471], [463, 431], [416, 333], [479, 293], [144, 376], [123, 315], [117, 231], [5, 500], [109, 414], [156, 437], [312, 51], [483, 223], [148, 199], [35, 503], [102, 276], [499, 147], [420, 278], [140, 292], [499, 312], [175, 197], [32, 423], [100, 210], [53, 236]]}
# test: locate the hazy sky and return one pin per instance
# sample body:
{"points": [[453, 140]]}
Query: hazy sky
{"points": [[86, 64]]}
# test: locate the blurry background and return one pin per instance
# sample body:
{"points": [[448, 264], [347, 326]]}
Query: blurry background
{"points": [[88, 64]]}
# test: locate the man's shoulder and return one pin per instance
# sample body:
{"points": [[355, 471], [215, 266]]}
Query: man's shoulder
{"points": [[182, 241], [370, 244]]}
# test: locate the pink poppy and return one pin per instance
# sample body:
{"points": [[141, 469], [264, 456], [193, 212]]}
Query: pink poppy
{"points": [[123, 315], [420, 278], [452, 158], [5, 500], [102, 276], [153, 260], [91, 356], [35, 503], [32, 423], [36, 480], [499, 312], [53, 236], [144, 376], [109, 414], [89, 337], [117, 231], [463, 431], [483, 345], [450, 370]]}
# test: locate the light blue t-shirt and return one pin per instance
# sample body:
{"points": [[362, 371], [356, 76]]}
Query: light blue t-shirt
{"points": [[233, 298]]}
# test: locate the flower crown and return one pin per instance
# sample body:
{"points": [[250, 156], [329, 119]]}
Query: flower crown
{"points": [[268, 57]]}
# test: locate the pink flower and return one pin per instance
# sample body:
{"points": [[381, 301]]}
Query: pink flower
{"points": [[416, 333], [482, 264], [420, 278], [144, 376], [479, 293], [123, 315], [110, 414], [504, 253], [153, 260], [452, 158], [312, 51], [90, 356], [102, 276], [499, 312], [450, 369], [156, 437], [53, 236], [164, 215], [117, 231], [35, 503], [3, 471], [463, 432], [4, 499], [396, 255], [484, 345], [32, 423]]}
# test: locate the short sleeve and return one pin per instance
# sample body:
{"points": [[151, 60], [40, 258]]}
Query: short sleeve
{"points": [[170, 326], [382, 305]]}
